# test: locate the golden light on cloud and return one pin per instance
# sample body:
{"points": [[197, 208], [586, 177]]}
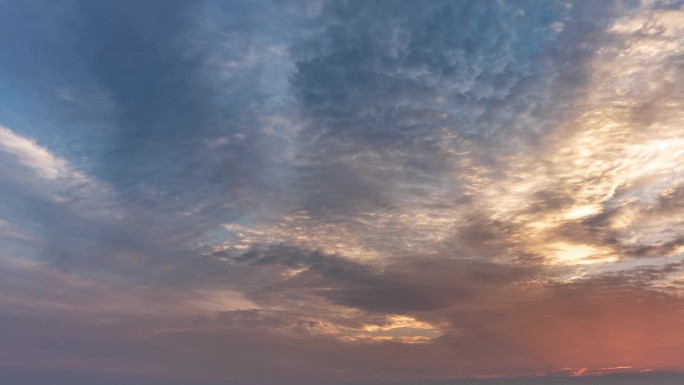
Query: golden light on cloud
{"points": [[567, 253], [600, 372], [612, 163], [581, 211], [395, 328]]}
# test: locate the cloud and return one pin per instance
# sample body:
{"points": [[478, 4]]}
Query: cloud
{"points": [[380, 98], [37, 158], [259, 193]]}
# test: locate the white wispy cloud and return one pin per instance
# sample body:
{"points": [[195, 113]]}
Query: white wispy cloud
{"points": [[32, 155]]}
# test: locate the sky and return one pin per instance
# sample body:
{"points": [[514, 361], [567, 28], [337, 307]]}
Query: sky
{"points": [[379, 192]]}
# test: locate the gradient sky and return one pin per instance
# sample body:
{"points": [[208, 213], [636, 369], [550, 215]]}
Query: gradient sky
{"points": [[341, 192]]}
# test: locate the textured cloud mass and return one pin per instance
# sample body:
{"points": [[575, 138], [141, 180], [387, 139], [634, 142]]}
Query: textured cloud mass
{"points": [[306, 192]]}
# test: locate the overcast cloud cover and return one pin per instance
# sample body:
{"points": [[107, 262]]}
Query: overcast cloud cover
{"points": [[341, 192]]}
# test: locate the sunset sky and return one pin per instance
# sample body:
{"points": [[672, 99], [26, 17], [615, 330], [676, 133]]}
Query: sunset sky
{"points": [[341, 192]]}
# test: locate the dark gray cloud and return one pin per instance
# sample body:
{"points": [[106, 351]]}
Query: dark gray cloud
{"points": [[415, 285]]}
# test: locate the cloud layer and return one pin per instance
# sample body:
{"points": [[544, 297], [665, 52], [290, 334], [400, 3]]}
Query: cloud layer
{"points": [[405, 192]]}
